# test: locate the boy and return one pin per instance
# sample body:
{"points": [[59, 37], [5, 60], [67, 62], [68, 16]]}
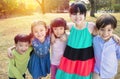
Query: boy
{"points": [[106, 49], [21, 52]]}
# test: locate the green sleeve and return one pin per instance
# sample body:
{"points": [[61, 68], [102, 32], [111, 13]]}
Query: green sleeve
{"points": [[14, 70]]}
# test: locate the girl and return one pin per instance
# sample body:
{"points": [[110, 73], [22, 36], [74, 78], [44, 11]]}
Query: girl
{"points": [[78, 59], [39, 63], [107, 51], [58, 27]]}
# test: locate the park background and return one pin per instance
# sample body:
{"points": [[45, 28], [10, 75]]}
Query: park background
{"points": [[16, 17]]}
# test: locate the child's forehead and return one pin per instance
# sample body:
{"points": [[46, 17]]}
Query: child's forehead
{"points": [[39, 27], [108, 26], [22, 42], [59, 26]]}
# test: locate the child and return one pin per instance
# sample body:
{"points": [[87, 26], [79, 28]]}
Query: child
{"points": [[107, 51], [58, 27], [78, 59], [39, 63], [18, 64]]}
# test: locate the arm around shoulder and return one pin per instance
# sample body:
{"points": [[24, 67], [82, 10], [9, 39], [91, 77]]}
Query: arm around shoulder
{"points": [[10, 55], [92, 28]]}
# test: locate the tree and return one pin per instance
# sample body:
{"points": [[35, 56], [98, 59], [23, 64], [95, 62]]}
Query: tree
{"points": [[7, 7], [92, 12], [41, 5]]}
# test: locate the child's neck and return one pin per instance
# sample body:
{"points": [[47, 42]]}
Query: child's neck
{"points": [[81, 25], [42, 40]]}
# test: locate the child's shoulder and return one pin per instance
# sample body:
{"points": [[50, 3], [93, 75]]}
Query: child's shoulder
{"points": [[30, 48], [91, 24], [70, 24]]}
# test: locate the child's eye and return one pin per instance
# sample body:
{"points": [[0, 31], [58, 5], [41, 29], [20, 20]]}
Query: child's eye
{"points": [[41, 30], [101, 29], [109, 30], [54, 29], [60, 28], [74, 13], [20, 45]]}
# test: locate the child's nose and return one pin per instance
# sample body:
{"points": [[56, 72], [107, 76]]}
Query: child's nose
{"points": [[105, 33]]}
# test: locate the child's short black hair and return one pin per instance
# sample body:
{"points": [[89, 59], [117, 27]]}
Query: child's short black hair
{"points": [[58, 22], [106, 19], [78, 8], [22, 38]]}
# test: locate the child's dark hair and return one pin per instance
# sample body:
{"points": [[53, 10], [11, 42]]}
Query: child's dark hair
{"points": [[22, 38], [78, 8], [36, 23], [57, 22], [106, 19]]}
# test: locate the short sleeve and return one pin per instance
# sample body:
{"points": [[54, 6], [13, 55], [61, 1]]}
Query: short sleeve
{"points": [[118, 51]]}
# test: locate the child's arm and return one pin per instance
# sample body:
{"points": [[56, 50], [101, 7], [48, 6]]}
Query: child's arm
{"points": [[69, 25], [14, 70], [116, 38], [63, 37], [10, 55], [52, 38], [92, 28], [118, 52], [95, 31]]}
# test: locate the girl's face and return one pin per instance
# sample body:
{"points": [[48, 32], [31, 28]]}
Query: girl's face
{"points": [[106, 32], [77, 18], [22, 47], [39, 32], [58, 31]]}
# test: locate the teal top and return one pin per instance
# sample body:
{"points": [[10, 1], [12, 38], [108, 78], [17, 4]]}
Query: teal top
{"points": [[18, 65], [80, 38]]}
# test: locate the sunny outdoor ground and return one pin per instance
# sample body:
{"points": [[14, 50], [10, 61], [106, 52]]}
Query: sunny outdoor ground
{"points": [[11, 26]]}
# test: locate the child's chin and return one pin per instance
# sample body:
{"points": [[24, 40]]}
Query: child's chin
{"points": [[21, 53], [106, 39]]}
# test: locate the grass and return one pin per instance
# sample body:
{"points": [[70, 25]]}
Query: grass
{"points": [[12, 26]]}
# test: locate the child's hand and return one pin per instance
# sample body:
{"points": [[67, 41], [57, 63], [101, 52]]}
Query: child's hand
{"points": [[63, 37], [116, 38], [10, 55]]}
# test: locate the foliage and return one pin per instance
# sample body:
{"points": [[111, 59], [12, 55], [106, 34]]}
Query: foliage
{"points": [[116, 7], [21, 7], [7, 7], [55, 5], [103, 4]]}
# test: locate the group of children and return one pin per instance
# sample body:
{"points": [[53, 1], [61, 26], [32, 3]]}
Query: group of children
{"points": [[90, 51]]}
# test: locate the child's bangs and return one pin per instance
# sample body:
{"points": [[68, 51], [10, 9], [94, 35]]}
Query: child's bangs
{"points": [[77, 9]]}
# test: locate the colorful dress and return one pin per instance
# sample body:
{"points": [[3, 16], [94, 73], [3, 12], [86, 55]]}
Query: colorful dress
{"points": [[39, 63], [78, 59]]}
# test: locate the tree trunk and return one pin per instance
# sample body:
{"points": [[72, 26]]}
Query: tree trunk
{"points": [[92, 3], [41, 5]]}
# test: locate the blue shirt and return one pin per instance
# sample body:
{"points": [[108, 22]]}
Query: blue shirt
{"points": [[107, 54]]}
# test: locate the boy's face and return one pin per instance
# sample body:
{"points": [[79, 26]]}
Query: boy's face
{"points": [[77, 18], [106, 32], [58, 31], [22, 47]]}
